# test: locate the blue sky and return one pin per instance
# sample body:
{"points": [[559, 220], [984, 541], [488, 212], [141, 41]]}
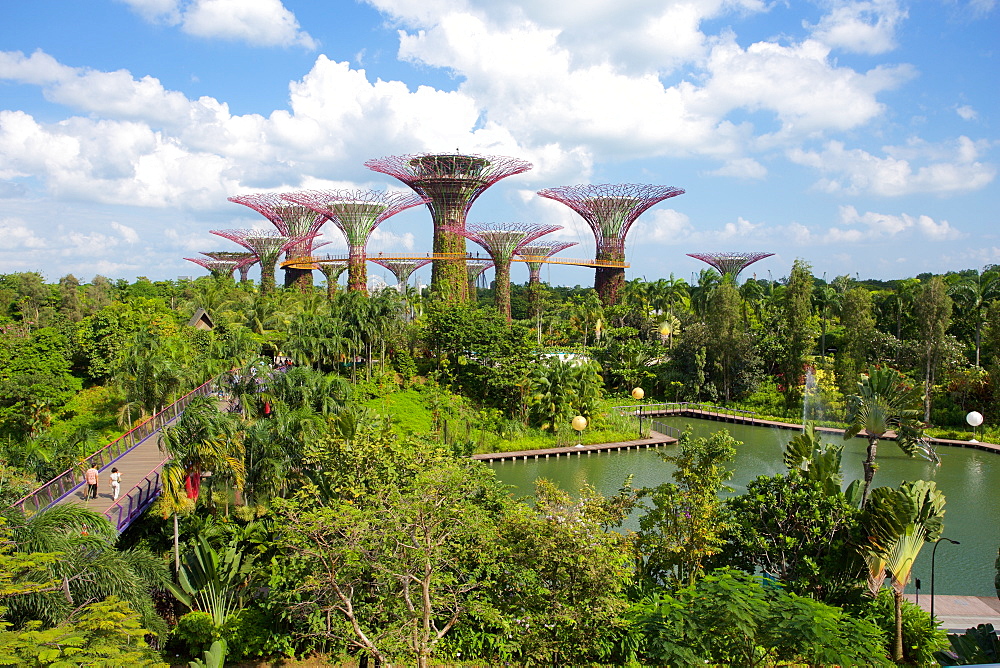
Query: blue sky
{"points": [[859, 136]]}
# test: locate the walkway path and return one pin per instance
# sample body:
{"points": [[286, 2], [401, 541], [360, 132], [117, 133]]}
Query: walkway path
{"points": [[134, 466], [959, 613], [655, 439]]}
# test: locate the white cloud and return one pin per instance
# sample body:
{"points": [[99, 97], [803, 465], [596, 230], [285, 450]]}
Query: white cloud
{"points": [[17, 235], [952, 168], [967, 113], [256, 22], [128, 234], [742, 168], [861, 27], [870, 225]]}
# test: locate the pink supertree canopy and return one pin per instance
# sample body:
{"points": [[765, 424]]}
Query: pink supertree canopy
{"points": [[536, 252], [450, 183], [401, 269], [501, 241], [610, 210], [356, 213], [216, 267], [730, 262], [267, 245]]}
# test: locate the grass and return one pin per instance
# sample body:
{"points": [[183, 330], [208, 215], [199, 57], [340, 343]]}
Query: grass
{"points": [[488, 431]]}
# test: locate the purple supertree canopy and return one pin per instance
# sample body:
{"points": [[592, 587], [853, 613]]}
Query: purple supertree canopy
{"points": [[733, 262], [610, 209], [217, 267], [536, 252], [402, 269], [502, 240], [288, 217]]}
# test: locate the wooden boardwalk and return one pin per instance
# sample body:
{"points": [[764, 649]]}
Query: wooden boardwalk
{"points": [[655, 439]]}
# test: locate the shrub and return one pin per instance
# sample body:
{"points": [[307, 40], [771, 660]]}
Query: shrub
{"points": [[196, 631], [920, 638]]}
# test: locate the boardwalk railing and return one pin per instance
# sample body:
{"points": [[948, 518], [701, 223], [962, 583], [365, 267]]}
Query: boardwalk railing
{"points": [[64, 483], [666, 429], [135, 502], [682, 407]]}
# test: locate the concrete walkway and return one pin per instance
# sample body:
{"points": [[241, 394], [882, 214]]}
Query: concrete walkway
{"points": [[959, 613]]}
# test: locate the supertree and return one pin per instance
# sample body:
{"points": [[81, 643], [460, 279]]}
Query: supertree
{"points": [[218, 268], [332, 271], [534, 254], [501, 241], [474, 269], [731, 263], [402, 269], [267, 245], [357, 213], [244, 261], [451, 183], [610, 210], [293, 221]]}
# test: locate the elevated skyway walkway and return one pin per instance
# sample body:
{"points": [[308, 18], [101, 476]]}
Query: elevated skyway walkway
{"points": [[136, 454], [311, 262]]}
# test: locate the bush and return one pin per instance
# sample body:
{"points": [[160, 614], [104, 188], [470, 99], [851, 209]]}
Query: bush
{"points": [[196, 631], [254, 633], [920, 638]]}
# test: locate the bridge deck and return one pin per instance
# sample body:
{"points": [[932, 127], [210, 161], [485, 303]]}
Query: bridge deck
{"points": [[135, 465]]}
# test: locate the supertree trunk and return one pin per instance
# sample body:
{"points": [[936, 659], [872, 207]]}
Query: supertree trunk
{"points": [[357, 270], [501, 293]]}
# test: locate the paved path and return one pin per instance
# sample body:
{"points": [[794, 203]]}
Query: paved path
{"points": [[134, 465], [959, 613]]}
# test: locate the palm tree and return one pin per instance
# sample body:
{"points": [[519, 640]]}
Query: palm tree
{"points": [[204, 439], [701, 294], [974, 294], [899, 522], [884, 403], [89, 568], [826, 299]]}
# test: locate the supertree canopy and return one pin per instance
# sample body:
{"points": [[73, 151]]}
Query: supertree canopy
{"points": [[501, 241], [610, 210], [357, 213], [535, 253], [267, 245], [730, 262], [219, 268], [474, 269], [243, 259], [332, 271], [402, 269], [450, 183], [292, 220]]}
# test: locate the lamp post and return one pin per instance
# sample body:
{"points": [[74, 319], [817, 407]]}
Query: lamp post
{"points": [[638, 393], [974, 418], [934, 554], [579, 423]]}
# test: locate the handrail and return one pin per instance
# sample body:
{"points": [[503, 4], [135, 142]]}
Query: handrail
{"points": [[139, 498], [64, 483], [680, 406]]}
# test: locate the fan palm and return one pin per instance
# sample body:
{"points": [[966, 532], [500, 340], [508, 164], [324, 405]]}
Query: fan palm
{"points": [[884, 403]]}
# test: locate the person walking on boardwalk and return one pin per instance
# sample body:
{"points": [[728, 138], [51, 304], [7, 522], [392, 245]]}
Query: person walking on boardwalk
{"points": [[90, 475], [116, 483]]}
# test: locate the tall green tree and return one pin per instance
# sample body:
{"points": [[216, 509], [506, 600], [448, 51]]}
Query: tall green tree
{"points": [[857, 315], [797, 330], [932, 308]]}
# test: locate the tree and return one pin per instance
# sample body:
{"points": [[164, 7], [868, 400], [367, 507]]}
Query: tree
{"points": [[401, 567], [932, 308], [974, 293], [884, 402], [685, 524], [731, 618], [800, 527], [728, 340], [899, 522], [858, 318], [796, 329], [561, 390]]}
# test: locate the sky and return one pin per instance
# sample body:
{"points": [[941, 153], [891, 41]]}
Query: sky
{"points": [[860, 137]]}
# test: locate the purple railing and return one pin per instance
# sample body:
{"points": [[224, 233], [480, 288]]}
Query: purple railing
{"points": [[63, 484], [135, 502]]}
